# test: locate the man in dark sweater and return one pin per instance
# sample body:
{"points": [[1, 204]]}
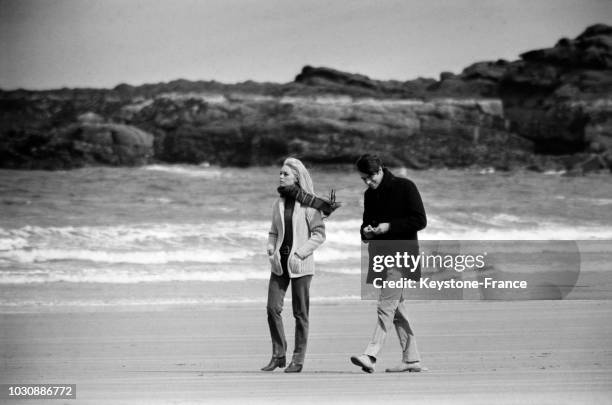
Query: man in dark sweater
{"points": [[393, 211]]}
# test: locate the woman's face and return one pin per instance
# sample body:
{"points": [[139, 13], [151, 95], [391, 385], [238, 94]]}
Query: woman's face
{"points": [[287, 178]]}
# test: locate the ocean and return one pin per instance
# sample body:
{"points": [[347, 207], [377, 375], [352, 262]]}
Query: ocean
{"points": [[168, 235]]}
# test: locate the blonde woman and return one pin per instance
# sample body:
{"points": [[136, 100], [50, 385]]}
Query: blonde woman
{"points": [[297, 230]]}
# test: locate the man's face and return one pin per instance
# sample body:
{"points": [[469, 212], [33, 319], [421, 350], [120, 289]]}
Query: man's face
{"points": [[372, 180]]}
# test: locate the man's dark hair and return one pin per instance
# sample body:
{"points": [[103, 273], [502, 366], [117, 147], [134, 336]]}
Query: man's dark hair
{"points": [[369, 164]]}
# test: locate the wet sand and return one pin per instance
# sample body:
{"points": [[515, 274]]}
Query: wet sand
{"points": [[532, 352]]}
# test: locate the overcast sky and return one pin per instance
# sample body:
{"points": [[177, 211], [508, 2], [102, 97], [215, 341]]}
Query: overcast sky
{"points": [[101, 43]]}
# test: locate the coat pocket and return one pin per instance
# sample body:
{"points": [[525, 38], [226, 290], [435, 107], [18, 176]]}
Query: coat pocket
{"points": [[295, 264], [275, 262]]}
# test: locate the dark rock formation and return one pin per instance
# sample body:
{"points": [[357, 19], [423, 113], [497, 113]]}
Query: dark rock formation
{"points": [[559, 97], [550, 110], [332, 81], [247, 129], [78, 145]]}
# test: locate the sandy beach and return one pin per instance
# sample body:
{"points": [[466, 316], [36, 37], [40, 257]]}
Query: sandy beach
{"points": [[153, 292], [477, 352]]}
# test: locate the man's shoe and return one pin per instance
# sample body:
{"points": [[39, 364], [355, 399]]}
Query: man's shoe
{"points": [[293, 368], [364, 362], [274, 363], [411, 367]]}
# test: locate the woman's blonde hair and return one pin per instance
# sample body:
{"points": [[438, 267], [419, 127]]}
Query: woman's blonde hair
{"points": [[301, 174]]}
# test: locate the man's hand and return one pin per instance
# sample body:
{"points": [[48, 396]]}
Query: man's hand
{"points": [[381, 228], [368, 232]]}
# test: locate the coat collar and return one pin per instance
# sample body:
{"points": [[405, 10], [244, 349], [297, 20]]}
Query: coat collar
{"points": [[386, 181]]}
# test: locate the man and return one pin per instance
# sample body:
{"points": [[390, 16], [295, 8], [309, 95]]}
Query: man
{"points": [[393, 211]]}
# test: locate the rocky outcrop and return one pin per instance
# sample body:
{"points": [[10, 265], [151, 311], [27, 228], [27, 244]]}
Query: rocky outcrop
{"points": [[77, 145], [326, 80], [247, 130], [549, 110], [559, 97], [590, 50]]}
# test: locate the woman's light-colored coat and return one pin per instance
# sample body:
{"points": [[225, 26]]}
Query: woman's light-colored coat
{"points": [[308, 234]]}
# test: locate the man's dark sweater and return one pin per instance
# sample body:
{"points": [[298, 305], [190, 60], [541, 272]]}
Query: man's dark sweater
{"points": [[398, 202]]}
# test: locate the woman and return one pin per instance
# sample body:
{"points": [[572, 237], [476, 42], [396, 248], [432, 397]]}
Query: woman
{"points": [[297, 230]]}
